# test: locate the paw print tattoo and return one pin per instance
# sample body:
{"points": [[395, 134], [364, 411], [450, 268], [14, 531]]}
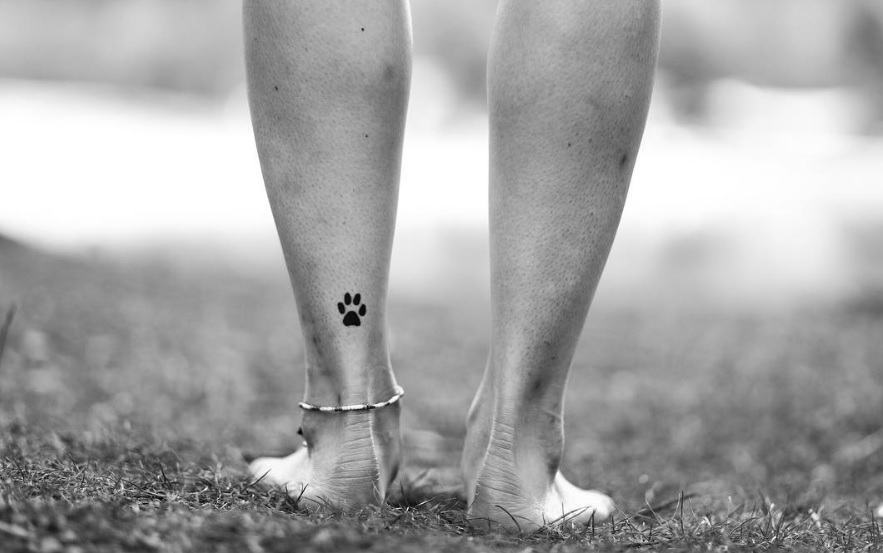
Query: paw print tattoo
{"points": [[351, 310]]}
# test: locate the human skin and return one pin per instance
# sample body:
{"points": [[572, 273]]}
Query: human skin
{"points": [[569, 86], [328, 84]]}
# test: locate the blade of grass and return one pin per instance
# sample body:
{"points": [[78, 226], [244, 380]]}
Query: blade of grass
{"points": [[512, 517]]}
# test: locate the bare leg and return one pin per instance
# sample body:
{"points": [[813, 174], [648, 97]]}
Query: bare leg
{"points": [[569, 86], [328, 88]]}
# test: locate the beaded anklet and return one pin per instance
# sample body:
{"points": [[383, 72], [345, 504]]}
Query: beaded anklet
{"points": [[399, 392]]}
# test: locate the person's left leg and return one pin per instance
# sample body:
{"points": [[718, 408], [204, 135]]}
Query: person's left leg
{"points": [[328, 88]]}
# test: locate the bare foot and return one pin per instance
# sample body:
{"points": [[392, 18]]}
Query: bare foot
{"points": [[510, 468], [348, 463], [524, 498], [570, 504]]}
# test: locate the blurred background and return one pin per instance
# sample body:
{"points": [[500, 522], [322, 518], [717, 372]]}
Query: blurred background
{"points": [[743, 297], [124, 127]]}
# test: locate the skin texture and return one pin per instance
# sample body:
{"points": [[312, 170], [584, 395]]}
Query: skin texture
{"points": [[569, 85], [328, 86]]}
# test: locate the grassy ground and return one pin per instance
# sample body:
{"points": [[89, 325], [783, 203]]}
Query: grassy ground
{"points": [[128, 393]]}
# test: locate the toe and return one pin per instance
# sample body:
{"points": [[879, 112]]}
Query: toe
{"points": [[281, 471], [569, 503]]}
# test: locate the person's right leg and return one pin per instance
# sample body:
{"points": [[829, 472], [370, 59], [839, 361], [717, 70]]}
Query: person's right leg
{"points": [[569, 87], [328, 88]]}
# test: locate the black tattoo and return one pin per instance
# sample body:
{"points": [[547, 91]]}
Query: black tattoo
{"points": [[351, 309]]}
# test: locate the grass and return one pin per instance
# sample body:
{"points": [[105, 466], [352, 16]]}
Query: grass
{"points": [[129, 391]]}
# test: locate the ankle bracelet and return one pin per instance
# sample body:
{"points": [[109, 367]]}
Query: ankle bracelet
{"points": [[399, 392]]}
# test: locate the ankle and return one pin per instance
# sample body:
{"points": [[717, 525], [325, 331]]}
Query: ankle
{"points": [[524, 408], [366, 384], [324, 428], [531, 433], [355, 455]]}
